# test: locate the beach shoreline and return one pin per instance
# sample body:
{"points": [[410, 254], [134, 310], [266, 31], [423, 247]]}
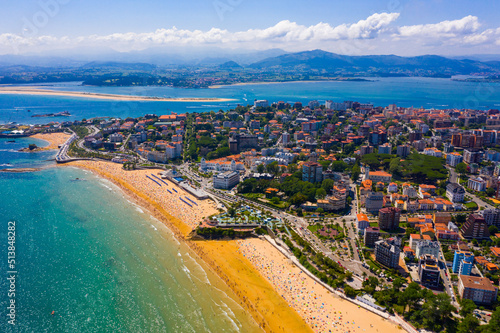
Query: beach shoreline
{"points": [[114, 97], [53, 139], [181, 231], [234, 262]]}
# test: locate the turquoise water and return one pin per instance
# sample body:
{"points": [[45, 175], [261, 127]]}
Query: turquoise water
{"points": [[99, 262], [406, 92]]}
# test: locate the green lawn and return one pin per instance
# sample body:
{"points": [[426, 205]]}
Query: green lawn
{"points": [[471, 205]]}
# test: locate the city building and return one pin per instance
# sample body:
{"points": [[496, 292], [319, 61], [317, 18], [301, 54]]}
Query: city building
{"points": [[371, 236], [387, 252], [363, 150], [455, 192], [239, 142], [428, 270], [475, 227], [473, 156], [379, 176], [403, 150], [226, 180], [476, 184], [388, 218], [261, 103], [386, 148], [491, 216], [362, 222], [452, 159], [416, 238], [312, 172], [427, 247], [478, 289], [463, 261], [374, 201]]}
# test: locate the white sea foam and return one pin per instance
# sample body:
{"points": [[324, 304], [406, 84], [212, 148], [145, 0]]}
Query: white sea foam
{"points": [[6, 165], [233, 323], [202, 271], [152, 226]]}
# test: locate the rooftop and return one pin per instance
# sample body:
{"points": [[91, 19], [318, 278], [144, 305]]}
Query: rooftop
{"points": [[475, 282]]}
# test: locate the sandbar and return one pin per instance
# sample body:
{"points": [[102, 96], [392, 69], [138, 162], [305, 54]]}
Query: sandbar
{"points": [[80, 94]]}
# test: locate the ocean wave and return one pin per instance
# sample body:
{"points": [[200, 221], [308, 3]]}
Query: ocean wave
{"points": [[11, 150], [225, 310], [204, 273], [6, 165]]}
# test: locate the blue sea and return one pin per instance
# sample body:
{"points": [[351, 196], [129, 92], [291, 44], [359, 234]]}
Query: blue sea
{"points": [[95, 260], [405, 92], [88, 260]]}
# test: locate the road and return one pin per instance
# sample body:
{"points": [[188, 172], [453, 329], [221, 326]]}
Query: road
{"points": [[62, 155]]}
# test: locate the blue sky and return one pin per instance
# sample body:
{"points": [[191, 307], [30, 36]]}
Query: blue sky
{"points": [[405, 27]]}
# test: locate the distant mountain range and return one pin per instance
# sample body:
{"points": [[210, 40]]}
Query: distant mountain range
{"points": [[161, 66], [322, 61]]}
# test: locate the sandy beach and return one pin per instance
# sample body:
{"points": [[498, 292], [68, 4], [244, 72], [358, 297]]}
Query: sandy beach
{"points": [[164, 200], [47, 92], [322, 310], [54, 139], [276, 293]]}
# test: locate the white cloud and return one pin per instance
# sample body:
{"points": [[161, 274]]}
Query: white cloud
{"points": [[282, 33], [377, 34], [465, 26]]}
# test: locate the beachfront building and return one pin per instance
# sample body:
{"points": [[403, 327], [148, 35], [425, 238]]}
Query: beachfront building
{"points": [[478, 289], [387, 252], [221, 164], [226, 180]]}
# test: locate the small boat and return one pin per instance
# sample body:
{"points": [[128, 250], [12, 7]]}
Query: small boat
{"points": [[53, 312], [11, 140]]}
